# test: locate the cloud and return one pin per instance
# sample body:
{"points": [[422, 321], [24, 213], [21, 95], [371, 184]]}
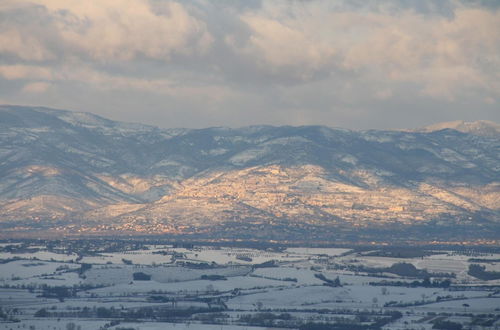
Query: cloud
{"points": [[443, 55], [105, 30], [335, 62], [24, 46], [20, 71], [36, 87], [274, 46]]}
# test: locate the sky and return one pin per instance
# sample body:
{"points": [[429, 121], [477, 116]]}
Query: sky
{"points": [[355, 64]]}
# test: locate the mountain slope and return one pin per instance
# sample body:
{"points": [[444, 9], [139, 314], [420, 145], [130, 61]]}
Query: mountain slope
{"points": [[86, 173]]}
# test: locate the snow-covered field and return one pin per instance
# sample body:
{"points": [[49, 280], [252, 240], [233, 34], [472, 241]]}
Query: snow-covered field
{"points": [[187, 287], [120, 274], [476, 305], [228, 280], [61, 324], [137, 257], [332, 252], [235, 255], [40, 255], [24, 269]]}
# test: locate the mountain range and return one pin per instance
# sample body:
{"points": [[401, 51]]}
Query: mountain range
{"points": [[75, 173]]}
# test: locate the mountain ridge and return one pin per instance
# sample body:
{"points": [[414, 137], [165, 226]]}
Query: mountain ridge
{"points": [[93, 174], [458, 125], [479, 127]]}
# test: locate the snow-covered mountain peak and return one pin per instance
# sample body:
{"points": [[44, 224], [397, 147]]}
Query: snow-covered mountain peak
{"points": [[479, 127]]}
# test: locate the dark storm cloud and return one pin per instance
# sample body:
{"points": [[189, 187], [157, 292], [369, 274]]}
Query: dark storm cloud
{"points": [[356, 64]]}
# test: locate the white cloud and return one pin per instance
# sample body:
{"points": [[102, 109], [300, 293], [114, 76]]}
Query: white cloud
{"points": [[23, 45], [275, 46], [20, 71], [36, 87], [107, 30], [441, 54]]}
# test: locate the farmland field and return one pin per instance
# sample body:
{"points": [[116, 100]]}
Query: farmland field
{"points": [[107, 284]]}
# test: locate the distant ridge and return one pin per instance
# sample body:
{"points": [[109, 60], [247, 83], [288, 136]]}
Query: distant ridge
{"points": [[479, 127]]}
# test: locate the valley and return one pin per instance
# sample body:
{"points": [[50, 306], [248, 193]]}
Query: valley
{"points": [[152, 284]]}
